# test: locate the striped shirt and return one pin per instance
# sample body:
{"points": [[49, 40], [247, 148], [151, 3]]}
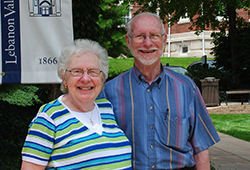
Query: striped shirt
{"points": [[166, 122], [58, 140]]}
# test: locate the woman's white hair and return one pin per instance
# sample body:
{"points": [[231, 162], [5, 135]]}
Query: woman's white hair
{"points": [[78, 47]]}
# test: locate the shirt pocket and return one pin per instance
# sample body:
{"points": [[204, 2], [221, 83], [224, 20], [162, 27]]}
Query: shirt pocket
{"points": [[175, 132]]}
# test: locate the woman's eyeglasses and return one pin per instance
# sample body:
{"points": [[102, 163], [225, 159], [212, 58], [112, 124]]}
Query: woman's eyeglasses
{"points": [[76, 72]]}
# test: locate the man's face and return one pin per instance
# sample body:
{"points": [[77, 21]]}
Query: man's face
{"points": [[146, 41]]}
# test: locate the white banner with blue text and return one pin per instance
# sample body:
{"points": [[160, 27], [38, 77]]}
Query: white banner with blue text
{"points": [[33, 34]]}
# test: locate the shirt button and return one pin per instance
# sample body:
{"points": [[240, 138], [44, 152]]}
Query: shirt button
{"points": [[153, 167], [151, 127], [151, 147], [151, 108], [148, 90]]}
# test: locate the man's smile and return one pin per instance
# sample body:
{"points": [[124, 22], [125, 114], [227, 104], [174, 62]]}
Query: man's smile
{"points": [[148, 51]]}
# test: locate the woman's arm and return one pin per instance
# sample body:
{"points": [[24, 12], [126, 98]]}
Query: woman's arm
{"points": [[31, 166]]}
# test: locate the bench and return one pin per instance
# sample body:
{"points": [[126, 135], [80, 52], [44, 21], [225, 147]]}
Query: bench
{"points": [[237, 95]]}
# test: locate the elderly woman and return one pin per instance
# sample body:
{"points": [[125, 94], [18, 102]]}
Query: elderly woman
{"points": [[78, 131]]}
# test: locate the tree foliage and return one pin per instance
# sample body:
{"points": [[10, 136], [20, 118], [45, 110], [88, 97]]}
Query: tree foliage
{"points": [[102, 21], [111, 21], [21, 95], [85, 17], [202, 13]]}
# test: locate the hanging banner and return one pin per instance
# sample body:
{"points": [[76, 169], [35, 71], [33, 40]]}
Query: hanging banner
{"points": [[33, 33]]}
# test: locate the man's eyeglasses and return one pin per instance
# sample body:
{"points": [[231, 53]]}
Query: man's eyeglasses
{"points": [[76, 72], [141, 37]]}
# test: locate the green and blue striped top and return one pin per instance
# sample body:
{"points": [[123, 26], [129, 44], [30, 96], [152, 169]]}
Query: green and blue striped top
{"points": [[58, 140]]}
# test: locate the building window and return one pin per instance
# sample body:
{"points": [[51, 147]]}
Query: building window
{"points": [[184, 50]]}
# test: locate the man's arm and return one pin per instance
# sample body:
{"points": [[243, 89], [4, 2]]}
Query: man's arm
{"points": [[202, 160]]}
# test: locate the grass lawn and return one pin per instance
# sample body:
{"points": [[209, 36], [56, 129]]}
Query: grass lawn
{"points": [[237, 125], [179, 61], [125, 64], [118, 66]]}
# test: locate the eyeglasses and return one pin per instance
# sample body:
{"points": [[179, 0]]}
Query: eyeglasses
{"points": [[76, 72], [141, 37]]}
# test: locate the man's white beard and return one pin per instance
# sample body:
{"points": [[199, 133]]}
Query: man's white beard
{"points": [[144, 60]]}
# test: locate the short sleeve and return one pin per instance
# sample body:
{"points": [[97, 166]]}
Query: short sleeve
{"points": [[39, 142]]}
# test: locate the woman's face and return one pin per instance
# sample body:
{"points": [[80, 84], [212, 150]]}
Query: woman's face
{"points": [[83, 88]]}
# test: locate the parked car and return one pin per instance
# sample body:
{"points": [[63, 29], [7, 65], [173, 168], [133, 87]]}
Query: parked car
{"points": [[198, 64], [178, 69]]}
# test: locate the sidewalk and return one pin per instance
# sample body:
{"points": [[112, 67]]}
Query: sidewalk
{"points": [[230, 154]]}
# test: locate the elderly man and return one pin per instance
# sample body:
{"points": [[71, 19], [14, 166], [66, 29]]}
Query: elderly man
{"points": [[161, 112]]}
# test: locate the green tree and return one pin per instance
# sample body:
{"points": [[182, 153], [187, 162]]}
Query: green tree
{"points": [[111, 21], [102, 21], [202, 13], [85, 17]]}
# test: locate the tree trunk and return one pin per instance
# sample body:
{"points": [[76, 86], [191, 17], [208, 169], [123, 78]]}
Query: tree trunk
{"points": [[232, 37]]}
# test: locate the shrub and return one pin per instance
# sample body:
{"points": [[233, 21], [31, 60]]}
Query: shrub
{"points": [[13, 130], [19, 105]]}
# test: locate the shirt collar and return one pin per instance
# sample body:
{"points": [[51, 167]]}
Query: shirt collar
{"points": [[139, 77]]}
